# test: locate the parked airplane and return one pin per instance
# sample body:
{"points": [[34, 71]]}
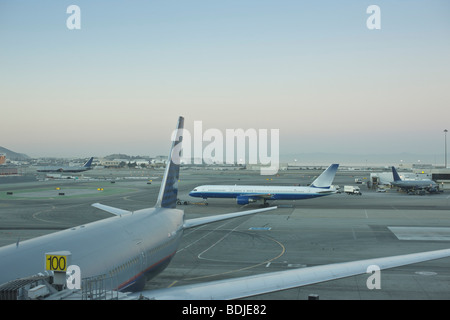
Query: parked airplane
{"points": [[85, 167], [127, 248], [247, 194], [413, 185]]}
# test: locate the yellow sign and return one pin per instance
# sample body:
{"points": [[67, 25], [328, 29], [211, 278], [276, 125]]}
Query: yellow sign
{"points": [[55, 263]]}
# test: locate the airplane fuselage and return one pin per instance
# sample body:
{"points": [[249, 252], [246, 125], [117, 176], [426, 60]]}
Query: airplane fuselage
{"points": [[271, 193], [125, 249], [62, 169], [415, 184], [85, 167]]}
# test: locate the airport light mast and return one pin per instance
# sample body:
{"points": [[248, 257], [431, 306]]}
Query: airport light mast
{"points": [[445, 154]]}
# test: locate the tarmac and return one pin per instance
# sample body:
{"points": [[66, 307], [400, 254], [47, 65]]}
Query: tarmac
{"points": [[302, 233]]}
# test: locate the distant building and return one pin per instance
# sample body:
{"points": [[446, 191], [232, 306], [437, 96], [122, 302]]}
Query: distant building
{"points": [[2, 158], [7, 171], [111, 163]]}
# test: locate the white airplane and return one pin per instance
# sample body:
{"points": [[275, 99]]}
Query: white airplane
{"points": [[247, 194], [132, 246]]}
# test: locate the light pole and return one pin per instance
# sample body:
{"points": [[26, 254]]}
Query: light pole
{"points": [[445, 138]]}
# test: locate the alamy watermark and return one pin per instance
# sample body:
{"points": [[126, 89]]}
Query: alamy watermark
{"points": [[234, 146], [73, 22], [374, 280], [374, 20], [73, 277]]}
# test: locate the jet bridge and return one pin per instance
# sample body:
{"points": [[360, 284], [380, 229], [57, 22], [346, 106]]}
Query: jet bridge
{"points": [[43, 287], [27, 288]]}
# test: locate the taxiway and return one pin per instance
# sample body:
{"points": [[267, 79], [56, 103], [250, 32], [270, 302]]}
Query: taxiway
{"points": [[302, 233]]}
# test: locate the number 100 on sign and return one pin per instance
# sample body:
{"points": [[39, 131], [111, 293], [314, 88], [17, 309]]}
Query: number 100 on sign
{"points": [[56, 263]]}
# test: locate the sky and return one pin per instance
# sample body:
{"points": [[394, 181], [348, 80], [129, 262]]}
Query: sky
{"points": [[311, 69]]}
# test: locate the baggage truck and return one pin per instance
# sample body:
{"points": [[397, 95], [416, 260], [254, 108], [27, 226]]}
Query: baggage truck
{"points": [[352, 190]]}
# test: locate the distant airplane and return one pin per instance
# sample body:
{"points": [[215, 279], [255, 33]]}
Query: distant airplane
{"points": [[131, 247], [85, 167], [413, 185], [247, 194]]}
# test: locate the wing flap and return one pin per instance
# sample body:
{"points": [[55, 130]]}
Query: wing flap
{"points": [[190, 223], [270, 282]]}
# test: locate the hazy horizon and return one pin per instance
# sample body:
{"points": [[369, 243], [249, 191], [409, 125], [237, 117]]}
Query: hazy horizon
{"points": [[318, 158]]}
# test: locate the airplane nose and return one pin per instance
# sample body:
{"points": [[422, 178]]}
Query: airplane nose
{"points": [[194, 193]]}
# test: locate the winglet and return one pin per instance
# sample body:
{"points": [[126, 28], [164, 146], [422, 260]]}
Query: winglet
{"points": [[167, 197], [326, 178], [395, 174]]}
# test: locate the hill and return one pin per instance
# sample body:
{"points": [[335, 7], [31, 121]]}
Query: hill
{"points": [[11, 155]]}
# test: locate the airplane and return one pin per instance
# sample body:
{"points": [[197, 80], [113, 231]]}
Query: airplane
{"points": [[130, 246], [247, 194], [85, 167], [413, 185]]}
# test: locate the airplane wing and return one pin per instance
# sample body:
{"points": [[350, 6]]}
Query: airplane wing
{"points": [[190, 223], [116, 211], [270, 282]]}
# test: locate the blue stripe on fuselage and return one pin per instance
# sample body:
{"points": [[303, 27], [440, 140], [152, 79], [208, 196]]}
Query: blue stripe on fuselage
{"points": [[276, 196], [138, 281]]}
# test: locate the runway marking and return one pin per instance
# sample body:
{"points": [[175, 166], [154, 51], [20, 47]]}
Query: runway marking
{"points": [[421, 233], [296, 265], [192, 243], [35, 215], [220, 240], [42, 211], [242, 269], [267, 262], [365, 211], [426, 273]]}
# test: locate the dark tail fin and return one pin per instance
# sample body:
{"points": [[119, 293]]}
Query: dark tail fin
{"points": [[167, 197], [395, 174], [88, 163]]}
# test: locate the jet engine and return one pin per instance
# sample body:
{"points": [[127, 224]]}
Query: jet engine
{"points": [[241, 200]]}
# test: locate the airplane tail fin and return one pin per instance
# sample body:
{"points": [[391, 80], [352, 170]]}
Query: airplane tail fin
{"points": [[395, 174], [167, 197], [326, 178], [88, 163]]}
